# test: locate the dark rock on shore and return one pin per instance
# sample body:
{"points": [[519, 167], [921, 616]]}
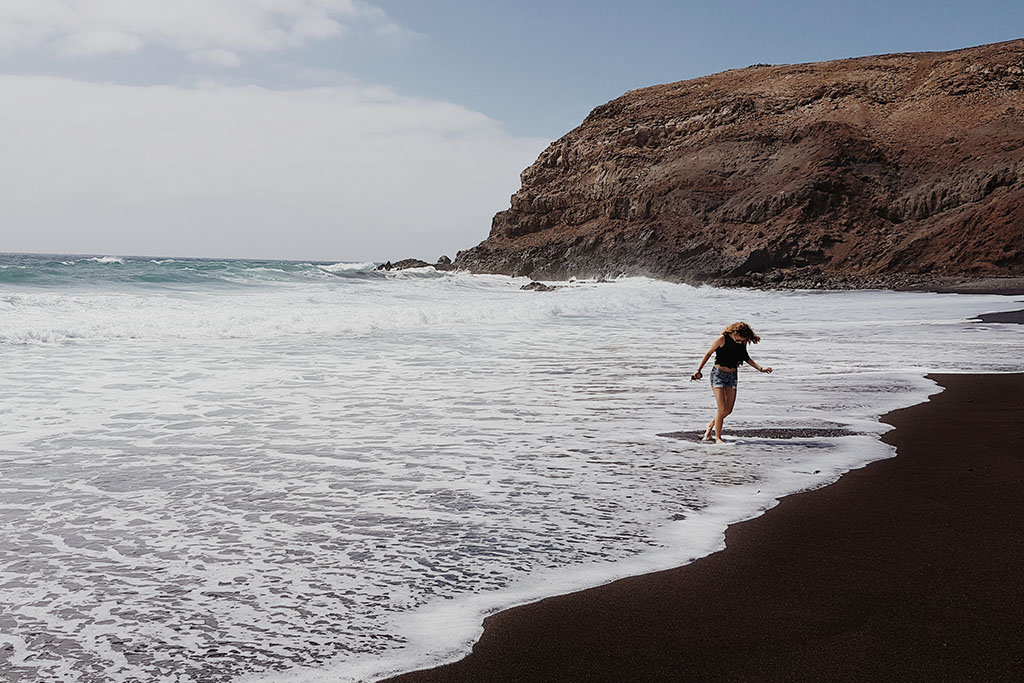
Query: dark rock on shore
{"points": [[443, 263], [403, 264], [538, 287], [892, 171]]}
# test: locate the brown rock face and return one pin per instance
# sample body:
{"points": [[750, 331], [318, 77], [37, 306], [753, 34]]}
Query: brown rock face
{"points": [[909, 164]]}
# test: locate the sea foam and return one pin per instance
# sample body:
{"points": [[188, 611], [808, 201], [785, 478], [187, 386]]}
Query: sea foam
{"points": [[244, 476]]}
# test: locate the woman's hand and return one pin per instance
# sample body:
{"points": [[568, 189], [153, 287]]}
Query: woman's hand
{"points": [[695, 376], [768, 370]]}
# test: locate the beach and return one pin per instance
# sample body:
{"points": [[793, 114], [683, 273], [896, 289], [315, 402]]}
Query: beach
{"points": [[908, 569]]}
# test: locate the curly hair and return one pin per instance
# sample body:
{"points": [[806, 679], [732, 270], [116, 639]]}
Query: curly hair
{"points": [[742, 329]]}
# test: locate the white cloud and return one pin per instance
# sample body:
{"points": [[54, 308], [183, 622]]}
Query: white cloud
{"points": [[346, 172], [99, 43], [196, 27], [220, 58]]}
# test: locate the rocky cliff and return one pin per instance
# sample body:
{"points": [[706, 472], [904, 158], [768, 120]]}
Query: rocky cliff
{"points": [[846, 171]]}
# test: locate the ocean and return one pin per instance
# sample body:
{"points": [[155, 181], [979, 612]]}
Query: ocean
{"points": [[228, 470]]}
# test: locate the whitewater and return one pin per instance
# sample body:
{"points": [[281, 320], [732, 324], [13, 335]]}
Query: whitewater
{"points": [[223, 470]]}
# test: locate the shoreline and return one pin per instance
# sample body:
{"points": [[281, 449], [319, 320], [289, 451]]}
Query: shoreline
{"points": [[999, 285], [896, 282], [906, 569]]}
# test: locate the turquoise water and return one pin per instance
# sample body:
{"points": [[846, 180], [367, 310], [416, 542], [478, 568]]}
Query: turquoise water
{"points": [[55, 271]]}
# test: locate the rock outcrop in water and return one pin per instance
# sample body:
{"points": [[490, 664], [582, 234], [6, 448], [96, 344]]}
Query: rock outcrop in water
{"points": [[443, 263], [877, 170]]}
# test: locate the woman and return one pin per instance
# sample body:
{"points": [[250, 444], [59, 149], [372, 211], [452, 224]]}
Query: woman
{"points": [[730, 350]]}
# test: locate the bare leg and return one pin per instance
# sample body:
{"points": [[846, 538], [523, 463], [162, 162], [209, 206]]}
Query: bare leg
{"points": [[723, 401], [707, 432], [726, 398], [730, 399]]}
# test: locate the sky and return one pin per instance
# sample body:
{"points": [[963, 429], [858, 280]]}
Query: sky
{"points": [[358, 130]]}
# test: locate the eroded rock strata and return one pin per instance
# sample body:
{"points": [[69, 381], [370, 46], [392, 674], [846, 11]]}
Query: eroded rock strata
{"points": [[877, 170]]}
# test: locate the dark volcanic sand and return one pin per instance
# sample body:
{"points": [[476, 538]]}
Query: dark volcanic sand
{"points": [[1016, 317], [1010, 286], [769, 433], [910, 569]]}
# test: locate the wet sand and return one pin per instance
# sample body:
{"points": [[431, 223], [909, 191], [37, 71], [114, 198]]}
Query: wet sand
{"points": [[910, 569], [974, 285], [774, 433], [1014, 317]]}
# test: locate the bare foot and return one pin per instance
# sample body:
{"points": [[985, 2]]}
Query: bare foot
{"points": [[719, 439], [707, 434]]}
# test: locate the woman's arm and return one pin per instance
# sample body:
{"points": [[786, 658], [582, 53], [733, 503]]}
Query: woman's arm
{"points": [[751, 363], [718, 342]]}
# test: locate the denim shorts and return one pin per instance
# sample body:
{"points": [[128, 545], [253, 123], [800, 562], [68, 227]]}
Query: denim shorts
{"points": [[720, 379]]}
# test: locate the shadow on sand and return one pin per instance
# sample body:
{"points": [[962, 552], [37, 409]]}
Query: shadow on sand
{"points": [[770, 433]]}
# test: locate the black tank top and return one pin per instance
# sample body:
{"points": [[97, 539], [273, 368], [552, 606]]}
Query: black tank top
{"points": [[731, 354]]}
